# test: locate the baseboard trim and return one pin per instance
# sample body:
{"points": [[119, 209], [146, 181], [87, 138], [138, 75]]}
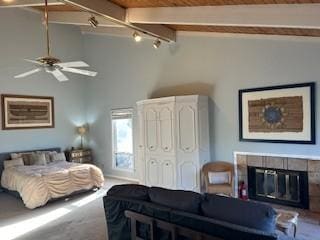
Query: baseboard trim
{"points": [[122, 178]]}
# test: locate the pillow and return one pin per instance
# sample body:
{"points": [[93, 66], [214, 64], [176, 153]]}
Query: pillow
{"points": [[132, 191], [219, 177], [38, 159], [26, 157], [47, 154], [13, 163], [178, 199], [245, 213], [55, 157]]}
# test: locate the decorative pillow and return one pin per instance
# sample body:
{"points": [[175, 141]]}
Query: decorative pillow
{"points": [[13, 163], [58, 157], [47, 155], [38, 159], [219, 177], [26, 156]]}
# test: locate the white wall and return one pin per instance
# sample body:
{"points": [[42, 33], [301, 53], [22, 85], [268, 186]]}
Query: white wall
{"points": [[128, 72], [22, 36], [214, 66]]}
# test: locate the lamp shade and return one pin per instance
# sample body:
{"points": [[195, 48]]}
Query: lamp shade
{"points": [[82, 130]]}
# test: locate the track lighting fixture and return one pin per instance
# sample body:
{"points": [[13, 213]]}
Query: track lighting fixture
{"points": [[137, 37], [157, 43], [93, 22]]}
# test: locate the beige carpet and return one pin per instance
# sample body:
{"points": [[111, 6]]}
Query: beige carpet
{"points": [[78, 218], [82, 218]]}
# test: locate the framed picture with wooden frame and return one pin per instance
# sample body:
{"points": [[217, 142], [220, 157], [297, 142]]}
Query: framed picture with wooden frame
{"points": [[26, 112], [278, 114]]}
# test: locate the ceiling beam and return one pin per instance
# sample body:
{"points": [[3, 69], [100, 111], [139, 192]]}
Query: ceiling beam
{"points": [[27, 3], [275, 15], [79, 18], [118, 15], [104, 8], [110, 31]]}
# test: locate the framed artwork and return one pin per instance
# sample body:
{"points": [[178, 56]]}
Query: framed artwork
{"points": [[23, 112], [279, 114]]}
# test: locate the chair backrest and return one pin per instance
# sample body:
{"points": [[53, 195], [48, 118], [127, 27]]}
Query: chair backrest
{"points": [[217, 167]]}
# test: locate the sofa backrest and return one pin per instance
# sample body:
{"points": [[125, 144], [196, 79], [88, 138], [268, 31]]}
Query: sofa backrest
{"points": [[245, 213], [132, 191], [177, 199]]}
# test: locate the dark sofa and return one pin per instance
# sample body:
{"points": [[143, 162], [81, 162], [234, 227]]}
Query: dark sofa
{"points": [[217, 216]]}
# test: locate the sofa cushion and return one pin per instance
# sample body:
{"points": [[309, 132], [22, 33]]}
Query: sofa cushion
{"points": [[178, 199], [245, 213], [132, 191]]}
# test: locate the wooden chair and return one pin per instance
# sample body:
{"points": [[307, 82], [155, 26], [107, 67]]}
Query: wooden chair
{"points": [[224, 188]]}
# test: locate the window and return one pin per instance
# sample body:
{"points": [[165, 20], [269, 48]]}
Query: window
{"points": [[122, 139]]}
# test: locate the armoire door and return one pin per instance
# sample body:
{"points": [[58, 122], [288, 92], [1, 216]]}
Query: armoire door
{"points": [[151, 132], [166, 129], [153, 171], [168, 173], [141, 165], [187, 150], [187, 136], [188, 176]]}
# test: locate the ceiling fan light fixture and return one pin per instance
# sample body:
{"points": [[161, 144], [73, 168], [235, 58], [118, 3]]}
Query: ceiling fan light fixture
{"points": [[53, 65], [157, 43], [93, 22], [137, 37]]}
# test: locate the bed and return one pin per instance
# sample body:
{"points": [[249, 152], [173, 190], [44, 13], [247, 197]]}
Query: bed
{"points": [[39, 184]]}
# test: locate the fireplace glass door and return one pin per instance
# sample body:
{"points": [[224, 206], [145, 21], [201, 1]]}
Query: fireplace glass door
{"points": [[280, 186]]}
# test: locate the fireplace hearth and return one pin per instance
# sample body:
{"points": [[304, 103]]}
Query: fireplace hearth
{"points": [[279, 186]]}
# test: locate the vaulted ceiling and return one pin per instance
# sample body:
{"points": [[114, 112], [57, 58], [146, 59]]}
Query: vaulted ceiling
{"points": [[190, 3], [163, 18]]}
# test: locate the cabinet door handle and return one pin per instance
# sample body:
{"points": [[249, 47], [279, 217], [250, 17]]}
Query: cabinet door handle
{"points": [[187, 148], [166, 148], [167, 164]]}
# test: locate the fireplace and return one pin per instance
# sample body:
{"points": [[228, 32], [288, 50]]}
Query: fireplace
{"points": [[279, 186]]}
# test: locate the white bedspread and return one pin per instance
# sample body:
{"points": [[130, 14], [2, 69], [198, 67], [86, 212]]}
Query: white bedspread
{"points": [[38, 184]]}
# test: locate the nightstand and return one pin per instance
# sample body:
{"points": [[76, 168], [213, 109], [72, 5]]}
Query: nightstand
{"points": [[80, 156]]}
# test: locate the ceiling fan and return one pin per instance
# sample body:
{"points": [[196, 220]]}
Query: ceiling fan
{"points": [[53, 65]]}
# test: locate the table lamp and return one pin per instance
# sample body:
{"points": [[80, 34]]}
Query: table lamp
{"points": [[82, 130]]}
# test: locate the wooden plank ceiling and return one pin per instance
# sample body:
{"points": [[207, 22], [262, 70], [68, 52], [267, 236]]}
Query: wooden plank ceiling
{"points": [[249, 30], [189, 3], [218, 29]]}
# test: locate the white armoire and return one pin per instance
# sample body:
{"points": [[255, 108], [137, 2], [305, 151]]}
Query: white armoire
{"points": [[173, 141]]}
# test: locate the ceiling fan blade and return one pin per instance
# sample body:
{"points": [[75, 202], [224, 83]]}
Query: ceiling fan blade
{"points": [[80, 71], [28, 73], [59, 75], [73, 64], [33, 61]]}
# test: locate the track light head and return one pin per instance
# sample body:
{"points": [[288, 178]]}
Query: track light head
{"points": [[157, 43], [137, 37], [93, 22]]}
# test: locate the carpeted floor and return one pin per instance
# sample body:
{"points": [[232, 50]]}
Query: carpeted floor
{"points": [[82, 218], [79, 218]]}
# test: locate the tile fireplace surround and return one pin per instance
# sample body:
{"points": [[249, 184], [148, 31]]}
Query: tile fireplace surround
{"points": [[287, 162]]}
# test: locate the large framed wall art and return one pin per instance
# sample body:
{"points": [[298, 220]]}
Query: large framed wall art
{"points": [[23, 112], [278, 114]]}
